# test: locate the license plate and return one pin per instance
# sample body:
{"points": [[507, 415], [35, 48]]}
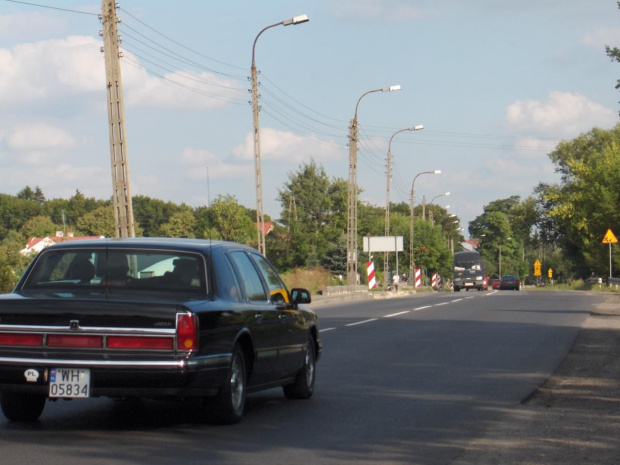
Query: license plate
{"points": [[69, 382], [469, 284]]}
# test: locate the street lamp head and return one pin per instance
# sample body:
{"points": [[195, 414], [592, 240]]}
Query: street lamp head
{"points": [[447, 193], [296, 20], [418, 127], [436, 172], [391, 88]]}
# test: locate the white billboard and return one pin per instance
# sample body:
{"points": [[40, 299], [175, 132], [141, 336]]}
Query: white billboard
{"points": [[383, 243]]}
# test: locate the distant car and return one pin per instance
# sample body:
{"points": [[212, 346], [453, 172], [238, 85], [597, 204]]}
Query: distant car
{"points": [[510, 282], [495, 284]]}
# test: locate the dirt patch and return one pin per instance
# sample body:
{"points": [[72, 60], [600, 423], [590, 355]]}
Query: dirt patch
{"points": [[574, 418]]}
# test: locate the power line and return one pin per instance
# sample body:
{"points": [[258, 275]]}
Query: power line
{"points": [[53, 7], [180, 44]]}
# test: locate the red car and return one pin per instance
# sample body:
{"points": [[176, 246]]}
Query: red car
{"points": [[495, 284], [510, 282]]}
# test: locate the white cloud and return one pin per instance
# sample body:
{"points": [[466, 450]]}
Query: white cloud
{"points": [[563, 114], [180, 90], [51, 68], [602, 37], [65, 68], [395, 10], [39, 136], [286, 146]]}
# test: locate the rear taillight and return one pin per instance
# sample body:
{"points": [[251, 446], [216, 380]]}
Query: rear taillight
{"points": [[139, 342], [187, 331], [57, 340], [21, 339]]}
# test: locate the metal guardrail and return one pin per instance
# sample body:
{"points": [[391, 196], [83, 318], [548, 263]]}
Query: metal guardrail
{"points": [[614, 282]]}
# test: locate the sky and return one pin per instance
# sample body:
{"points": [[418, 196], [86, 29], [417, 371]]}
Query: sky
{"points": [[496, 85]]}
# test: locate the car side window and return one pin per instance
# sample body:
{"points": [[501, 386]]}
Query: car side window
{"points": [[277, 289], [251, 281]]}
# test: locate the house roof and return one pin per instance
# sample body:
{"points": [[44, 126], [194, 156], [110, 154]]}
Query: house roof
{"points": [[36, 244]]}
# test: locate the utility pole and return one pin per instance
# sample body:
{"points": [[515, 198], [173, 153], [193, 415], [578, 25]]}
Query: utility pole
{"points": [[121, 196], [352, 210], [352, 190]]}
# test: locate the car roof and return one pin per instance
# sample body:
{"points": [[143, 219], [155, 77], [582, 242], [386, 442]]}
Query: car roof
{"points": [[196, 245]]}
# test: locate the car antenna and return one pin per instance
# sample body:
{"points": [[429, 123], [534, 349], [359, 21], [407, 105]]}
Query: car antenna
{"points": [[210, 236]]}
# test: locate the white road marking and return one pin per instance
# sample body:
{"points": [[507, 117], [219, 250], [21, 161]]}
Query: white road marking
{"points": [[326, 329], [396, 314], [422, 308], [362, 322]]}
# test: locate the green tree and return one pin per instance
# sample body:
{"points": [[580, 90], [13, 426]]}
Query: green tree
{"points": [[14, 212], [181, 224], [8, 277], [231, 220], [578, 211], [313, 212], [99, 222], [39, 226], [151, 214]]}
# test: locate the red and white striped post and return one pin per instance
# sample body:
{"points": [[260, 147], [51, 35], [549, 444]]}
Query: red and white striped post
{"points": [[372, 282]]}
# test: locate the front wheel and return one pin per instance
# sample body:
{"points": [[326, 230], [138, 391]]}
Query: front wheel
{"points": [[303, 386], [227, 407], [19, 407]]}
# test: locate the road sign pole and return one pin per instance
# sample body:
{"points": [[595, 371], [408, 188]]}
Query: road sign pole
{"points": [[610, 274]]}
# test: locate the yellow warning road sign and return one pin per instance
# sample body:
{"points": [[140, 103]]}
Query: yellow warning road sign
{"points": [[537, 268], [610, 238]]}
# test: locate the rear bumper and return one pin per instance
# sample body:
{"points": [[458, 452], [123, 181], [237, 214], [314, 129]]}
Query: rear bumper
{"points": [[196, 376]]}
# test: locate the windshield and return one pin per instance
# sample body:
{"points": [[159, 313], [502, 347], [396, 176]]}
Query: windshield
{"points": [[118, 268], [473, 265]]}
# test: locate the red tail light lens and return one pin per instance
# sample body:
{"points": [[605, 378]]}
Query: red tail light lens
{"points": [[21, 339], [187, 331], [139, 342], [55, 340]]}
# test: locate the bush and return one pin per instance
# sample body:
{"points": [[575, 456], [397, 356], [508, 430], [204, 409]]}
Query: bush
{"points": [[313, 279]]}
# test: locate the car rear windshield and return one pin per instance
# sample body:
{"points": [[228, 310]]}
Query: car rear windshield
{"points": [[130, 269]]}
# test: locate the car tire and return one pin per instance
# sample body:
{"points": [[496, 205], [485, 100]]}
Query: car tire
{"points": [[303, 386], [228, 405], [20, 407]]}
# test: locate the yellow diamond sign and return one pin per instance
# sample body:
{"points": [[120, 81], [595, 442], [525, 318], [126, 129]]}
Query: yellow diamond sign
{"points": [[610, 238]]}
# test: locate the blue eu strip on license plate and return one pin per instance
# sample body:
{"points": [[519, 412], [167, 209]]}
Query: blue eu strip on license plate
{"points": [[69, 382]]}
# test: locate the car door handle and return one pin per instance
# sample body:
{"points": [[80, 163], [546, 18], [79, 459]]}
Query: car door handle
{"points": [[259, 318]]}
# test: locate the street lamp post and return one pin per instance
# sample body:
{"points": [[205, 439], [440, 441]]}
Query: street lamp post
{"points": [[260, 216], [411, 230], [387, 198], [352, 192], [430, 210]]}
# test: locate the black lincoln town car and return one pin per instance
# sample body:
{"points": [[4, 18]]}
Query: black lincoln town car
{"points": [[153, 318]]}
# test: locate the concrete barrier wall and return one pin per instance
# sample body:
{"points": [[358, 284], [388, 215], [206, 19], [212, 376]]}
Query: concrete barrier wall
{"points": [[341, 290]]}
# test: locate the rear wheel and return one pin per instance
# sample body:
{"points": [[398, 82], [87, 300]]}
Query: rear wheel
{"points": [[303, 386], [22, 407], [227, 407]]}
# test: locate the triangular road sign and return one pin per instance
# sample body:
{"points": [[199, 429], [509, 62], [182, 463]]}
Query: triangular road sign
{"points": [[610, 238]]}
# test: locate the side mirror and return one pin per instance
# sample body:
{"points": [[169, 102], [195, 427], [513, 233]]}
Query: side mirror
{"points": [[300, 296]]}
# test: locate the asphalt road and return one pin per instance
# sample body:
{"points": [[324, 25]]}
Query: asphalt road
{"points": [[408, 380]]}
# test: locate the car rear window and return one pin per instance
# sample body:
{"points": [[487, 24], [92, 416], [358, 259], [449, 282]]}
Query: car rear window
{"points": [[130, 269]]}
